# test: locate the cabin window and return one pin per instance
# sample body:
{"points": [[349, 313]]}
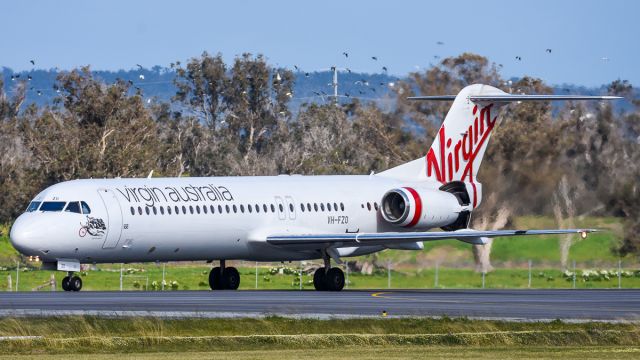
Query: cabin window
{"points": [[139, 210], [155, 210], [242, 208], [204, 209], [177, 210], [235, 208], [375, 206], [184, 209], [322, 206], [249, 208], [264, 207], [169, 210], [213, 209], [328, 206], [335, 207], [315, 207], [273, 208], [161, 210], [198, 209], [368, 206], [52, 206], [342, 206], [309, 207], [191, 209], [220, 209], [73, 207], [257, 208], [291, 207], [280, 207], [146, 209], [227, 208], [302, 207], [133, 211]]}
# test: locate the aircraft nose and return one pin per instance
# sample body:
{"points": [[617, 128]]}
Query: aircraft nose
{"points": [[22, 235]]}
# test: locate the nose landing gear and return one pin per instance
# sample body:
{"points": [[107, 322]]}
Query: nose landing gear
{"points": [[224, 278], [71, 282]]}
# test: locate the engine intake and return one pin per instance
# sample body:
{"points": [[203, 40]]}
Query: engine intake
{"points": [[410, 207]]}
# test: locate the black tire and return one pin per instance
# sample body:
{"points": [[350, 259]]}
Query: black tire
{"points": [[215, 279], [65, 283], [75, 283], [319, 280], [335, 279], [231, 278]]}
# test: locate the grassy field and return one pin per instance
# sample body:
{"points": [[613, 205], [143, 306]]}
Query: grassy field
{"points": [[411, 269], [288, 338], [195, 277], [378, 352]]}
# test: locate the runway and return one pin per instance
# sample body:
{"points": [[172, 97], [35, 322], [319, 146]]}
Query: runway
{"points": [[523, 305]]}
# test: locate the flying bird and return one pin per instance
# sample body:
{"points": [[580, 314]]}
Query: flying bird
{"points": [[296, 67], [346, 54], [29, 77], [33, 62], [306, 74], [347, 94], [519, 58], [375, 58], [348, 70], [440, 43], [139, 66], [548, 51], [384, 68]]}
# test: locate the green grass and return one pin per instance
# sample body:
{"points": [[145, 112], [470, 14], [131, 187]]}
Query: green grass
{"points": [[412, 269], [195, 277], [276, 336], [378, 352]]}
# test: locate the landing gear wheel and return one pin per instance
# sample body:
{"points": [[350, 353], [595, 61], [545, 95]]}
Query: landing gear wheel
{"points": [[65, 283], [215, 279], [319, 280], [230, 278], [75, 283], [334, 279]]}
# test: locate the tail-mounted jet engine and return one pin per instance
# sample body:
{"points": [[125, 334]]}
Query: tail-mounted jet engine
{"points": [[420, 208]]}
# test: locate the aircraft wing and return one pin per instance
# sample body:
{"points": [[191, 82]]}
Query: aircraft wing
{"points": [[387, 238]]}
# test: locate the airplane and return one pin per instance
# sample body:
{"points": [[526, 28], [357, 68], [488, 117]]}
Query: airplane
{"points": [[276, 218]]}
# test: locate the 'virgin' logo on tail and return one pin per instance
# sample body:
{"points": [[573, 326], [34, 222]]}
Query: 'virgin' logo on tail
{"points": [[450, 158]]}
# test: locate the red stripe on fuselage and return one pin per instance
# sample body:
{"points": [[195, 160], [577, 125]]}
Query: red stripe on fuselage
{"points": [[418, 201]]}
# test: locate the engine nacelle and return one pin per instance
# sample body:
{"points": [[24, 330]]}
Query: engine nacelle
{"points": [[420, 208]]}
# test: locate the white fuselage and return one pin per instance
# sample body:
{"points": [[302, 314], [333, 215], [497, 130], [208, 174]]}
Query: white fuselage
{"points": [[179, 219]]}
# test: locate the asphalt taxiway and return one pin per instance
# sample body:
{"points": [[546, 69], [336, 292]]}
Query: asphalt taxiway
{"points": [[525, 305]]}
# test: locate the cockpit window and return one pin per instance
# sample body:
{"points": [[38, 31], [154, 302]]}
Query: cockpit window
{"points": [[52, 206], [73, 207], [85, 208], [33, 206]]}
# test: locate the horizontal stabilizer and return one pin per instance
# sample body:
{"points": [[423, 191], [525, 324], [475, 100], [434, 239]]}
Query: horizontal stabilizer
{"points": [[510, 98]]}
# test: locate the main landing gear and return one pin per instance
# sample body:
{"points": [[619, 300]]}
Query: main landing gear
{"points": [[71, 282], [327, 278], [224, 278]]}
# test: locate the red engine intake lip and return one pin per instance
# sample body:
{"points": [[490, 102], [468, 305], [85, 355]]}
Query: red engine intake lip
{"points": [[418, 212]]}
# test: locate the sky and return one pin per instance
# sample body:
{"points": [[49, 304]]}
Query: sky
{"points": [[592, 42]]}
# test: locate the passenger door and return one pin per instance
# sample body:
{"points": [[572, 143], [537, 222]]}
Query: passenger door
{"points": [[114, 218]]}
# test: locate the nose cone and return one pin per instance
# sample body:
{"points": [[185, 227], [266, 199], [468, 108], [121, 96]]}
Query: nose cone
{"points": [[22, 235]]}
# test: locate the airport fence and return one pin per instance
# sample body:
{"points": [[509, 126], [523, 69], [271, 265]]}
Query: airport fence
{"points": [[385, 274]]}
